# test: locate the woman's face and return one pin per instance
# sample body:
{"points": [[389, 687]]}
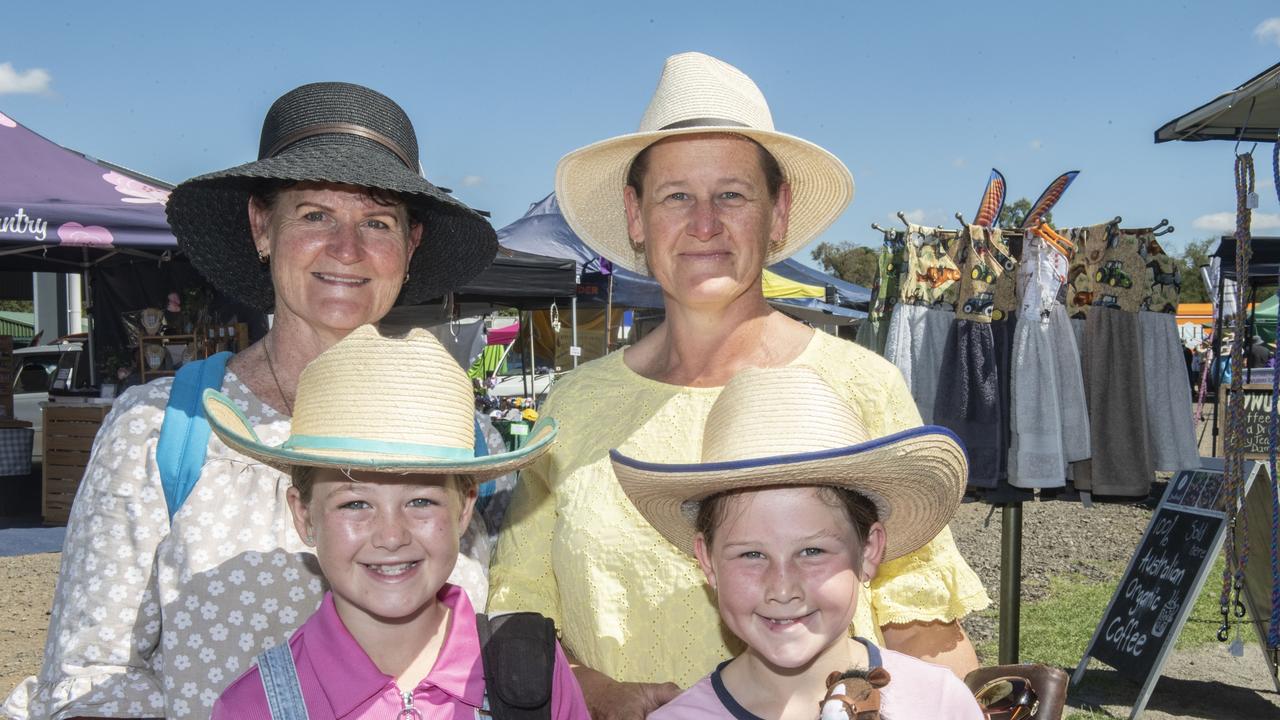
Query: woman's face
{"points": [[386, 543], [338, 257], [786, 566], [705, 218]]}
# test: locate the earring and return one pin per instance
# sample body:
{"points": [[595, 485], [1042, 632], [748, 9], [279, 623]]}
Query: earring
{"points": [[263, 258], [310, 539], [406, 278]]}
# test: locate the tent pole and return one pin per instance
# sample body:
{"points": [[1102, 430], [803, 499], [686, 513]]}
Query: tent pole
{"points": [[530, 361], [608, 317], [1010, 581], [1218, 326], [573, 312], [87, 274]]}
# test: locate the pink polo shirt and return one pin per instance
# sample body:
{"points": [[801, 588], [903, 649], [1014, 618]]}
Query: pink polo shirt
{"points": [[340, 681]]}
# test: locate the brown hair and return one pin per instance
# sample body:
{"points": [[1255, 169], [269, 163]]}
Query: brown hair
{"points": [[862, 513], [266, 193], [773, 177], [304, 478]]}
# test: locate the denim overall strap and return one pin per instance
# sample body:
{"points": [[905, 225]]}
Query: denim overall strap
{"points": [[280, 681]]}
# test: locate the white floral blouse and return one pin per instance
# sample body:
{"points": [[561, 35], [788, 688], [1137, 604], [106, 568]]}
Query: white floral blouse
{"points": [[155, 619]]}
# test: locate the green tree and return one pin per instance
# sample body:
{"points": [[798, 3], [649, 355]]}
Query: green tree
{"points": [[849, 262], [1012, 214], [17, 306], [1194, 256]]}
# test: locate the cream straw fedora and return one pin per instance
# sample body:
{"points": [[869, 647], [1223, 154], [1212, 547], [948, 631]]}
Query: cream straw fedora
{"points": [[698, 94], [786, 426], [396, 405]]}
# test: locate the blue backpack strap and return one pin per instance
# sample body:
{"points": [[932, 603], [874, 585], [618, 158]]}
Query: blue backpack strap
{"points": [[184, 435], [280, 682]]}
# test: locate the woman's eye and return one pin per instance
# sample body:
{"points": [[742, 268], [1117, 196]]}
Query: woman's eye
{"points": [[730, 195], [752, 555], [678, 196], [314, 216], [378, 225], [812, 552]]}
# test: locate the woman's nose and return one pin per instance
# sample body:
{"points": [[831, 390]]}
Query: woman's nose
{"points": [[344, 244], [704, 221]]}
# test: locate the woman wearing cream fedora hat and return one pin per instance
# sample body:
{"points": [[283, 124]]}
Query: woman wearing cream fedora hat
{"points": [[702, 197]]}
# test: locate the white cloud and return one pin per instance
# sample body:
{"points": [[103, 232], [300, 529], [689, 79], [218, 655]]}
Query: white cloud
{"points": [[958, 162], [1225, 222], [471, 180], [1036, 144], [35, 80], [1268, 31]]}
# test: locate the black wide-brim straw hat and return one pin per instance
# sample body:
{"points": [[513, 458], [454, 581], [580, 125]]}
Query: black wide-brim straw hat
{"points": [[339, 133]]}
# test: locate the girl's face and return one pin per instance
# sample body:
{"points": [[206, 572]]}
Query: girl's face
{"points": [[386, 543], [786, 566]]}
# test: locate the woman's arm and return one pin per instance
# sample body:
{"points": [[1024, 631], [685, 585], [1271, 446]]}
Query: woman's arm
{"points": [[941, 643], [105, 622], [608, 699]]}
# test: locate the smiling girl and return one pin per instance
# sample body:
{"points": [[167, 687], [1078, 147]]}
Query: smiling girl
{"points": [[789, 514], [384, 483]]}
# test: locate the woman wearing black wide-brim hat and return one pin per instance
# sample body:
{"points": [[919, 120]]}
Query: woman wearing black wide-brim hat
{"points": [[182, 561]]}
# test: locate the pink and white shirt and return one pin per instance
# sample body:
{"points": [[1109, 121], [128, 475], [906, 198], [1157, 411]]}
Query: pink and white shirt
{"points": [[339, 680]]}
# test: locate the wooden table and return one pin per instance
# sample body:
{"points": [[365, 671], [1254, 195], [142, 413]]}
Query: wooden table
{"points": [[69, 431]]}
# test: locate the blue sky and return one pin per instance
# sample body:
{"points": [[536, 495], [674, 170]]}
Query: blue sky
{"points": [[919, 99]]}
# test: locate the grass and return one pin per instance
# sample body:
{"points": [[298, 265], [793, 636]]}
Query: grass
{"points": [[1056, 629]]}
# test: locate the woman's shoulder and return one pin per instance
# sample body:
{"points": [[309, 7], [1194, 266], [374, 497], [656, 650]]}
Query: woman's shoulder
{"points": [[599, 378]]}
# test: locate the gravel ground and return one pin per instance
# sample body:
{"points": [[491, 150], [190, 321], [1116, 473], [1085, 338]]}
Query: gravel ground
{"points": [[1059, 537]]}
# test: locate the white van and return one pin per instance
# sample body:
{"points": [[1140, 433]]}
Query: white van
{"points": [[39, 369]]}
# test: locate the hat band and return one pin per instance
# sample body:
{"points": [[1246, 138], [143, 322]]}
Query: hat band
{"points": [[342, 129], [318, 442], [702, 122]]}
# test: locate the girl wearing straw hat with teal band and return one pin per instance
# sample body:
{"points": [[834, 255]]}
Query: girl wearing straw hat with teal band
{"points": [[384, 483]]}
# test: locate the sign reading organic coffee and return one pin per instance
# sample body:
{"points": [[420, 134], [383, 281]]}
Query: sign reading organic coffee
{"points": [[1158, 589]]}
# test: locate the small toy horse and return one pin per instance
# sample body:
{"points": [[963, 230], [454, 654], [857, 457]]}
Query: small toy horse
{"points": [[853, 695]]}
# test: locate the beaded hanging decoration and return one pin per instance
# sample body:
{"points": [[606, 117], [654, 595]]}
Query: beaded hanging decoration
{"points": [[1237, 559], [1273, 630]]}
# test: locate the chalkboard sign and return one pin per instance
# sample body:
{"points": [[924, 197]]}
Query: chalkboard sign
{"points": [[1257, 419], [1156, 590], [1164, 578]]}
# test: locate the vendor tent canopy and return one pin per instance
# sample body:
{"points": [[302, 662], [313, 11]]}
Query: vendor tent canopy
{"points": [[1250, 112], [61, 211]]}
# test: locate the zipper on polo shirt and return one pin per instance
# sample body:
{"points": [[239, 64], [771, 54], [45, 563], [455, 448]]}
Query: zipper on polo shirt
{"points": [[408, 711]]}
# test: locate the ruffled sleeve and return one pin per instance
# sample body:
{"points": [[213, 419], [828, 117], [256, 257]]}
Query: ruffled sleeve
{"points": [[105, 622], [933, 583]]}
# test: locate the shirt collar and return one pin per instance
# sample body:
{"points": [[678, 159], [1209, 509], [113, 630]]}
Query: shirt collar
{"points": [[349, 678]]}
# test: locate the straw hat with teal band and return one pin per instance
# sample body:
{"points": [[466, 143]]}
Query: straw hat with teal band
{"points": [[397, 405]]}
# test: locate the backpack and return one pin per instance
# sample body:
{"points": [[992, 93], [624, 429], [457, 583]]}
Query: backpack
{"points": [[184, 434]]}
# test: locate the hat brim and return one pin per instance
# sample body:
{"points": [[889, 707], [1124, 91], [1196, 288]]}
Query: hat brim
{"points": [[209, 216], [233, 428], [916, 479], [590, 182]]}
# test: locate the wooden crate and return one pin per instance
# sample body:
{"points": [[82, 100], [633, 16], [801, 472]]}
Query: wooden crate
{"points": [[68, 437]]}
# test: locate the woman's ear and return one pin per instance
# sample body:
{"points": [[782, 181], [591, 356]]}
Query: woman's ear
{"points": [[301, 515], [259, 226], [873, 551], [635, 223], [781, 215], [703, 553]]}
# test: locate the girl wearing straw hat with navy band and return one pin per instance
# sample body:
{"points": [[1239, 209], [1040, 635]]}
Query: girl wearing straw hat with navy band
{"points": [[384, 481], [162, 601], [789, 512], [702, 197]]}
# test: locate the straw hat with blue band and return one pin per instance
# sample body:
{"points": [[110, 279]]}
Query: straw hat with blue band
{"points": [[396, 405], [698, 94], [787, 427]]}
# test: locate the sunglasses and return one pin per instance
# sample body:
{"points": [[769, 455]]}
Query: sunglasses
{"points": [[1008, 698]]}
